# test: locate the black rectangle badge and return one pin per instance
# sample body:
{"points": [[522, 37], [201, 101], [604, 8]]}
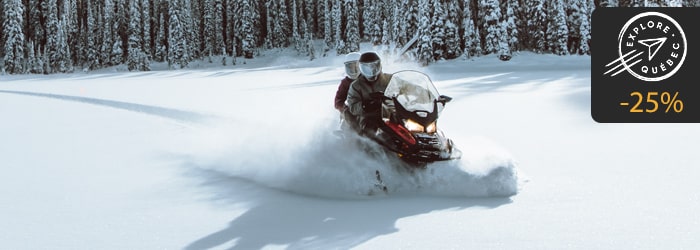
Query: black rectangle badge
{"points": [[644, 65]]}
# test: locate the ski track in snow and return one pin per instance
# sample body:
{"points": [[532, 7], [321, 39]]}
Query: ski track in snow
{"points": [[174, 114]]}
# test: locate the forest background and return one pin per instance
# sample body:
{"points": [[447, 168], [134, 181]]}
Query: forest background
{"points": [[59, 36]]}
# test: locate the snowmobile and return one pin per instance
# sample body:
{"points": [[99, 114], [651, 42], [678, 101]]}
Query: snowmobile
{"points": [[408, 128]]}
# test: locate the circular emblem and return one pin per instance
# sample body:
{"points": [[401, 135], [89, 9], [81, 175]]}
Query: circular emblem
{"points": [[652, 46]]}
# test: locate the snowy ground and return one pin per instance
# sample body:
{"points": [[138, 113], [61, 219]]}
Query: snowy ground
{"points": [[243, 157]]}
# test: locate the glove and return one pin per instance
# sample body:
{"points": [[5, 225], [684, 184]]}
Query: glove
{"points": [[371, 105], [374, 102]]}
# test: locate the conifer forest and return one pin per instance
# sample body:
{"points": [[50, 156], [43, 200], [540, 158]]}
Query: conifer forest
{"points": [[58, 36]]}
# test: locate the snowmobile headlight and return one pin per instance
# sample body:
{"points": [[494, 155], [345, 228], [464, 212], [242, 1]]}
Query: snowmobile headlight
{"points": [[431, 128], [413, 126]]}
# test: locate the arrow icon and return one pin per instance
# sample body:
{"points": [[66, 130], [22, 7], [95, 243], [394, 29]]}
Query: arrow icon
{"points": [[654, 42]]}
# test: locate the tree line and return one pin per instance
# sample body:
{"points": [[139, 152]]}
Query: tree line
{"points": [[54, 36]]}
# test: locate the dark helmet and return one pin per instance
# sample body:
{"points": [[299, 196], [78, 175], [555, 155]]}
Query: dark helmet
{"points": [[370, 65]]}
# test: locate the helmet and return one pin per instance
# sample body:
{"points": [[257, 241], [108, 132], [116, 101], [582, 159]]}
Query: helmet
{"points": [[370, 65], [351, 67]]}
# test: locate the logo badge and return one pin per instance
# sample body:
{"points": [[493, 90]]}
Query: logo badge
{"points": [[651, 47]]}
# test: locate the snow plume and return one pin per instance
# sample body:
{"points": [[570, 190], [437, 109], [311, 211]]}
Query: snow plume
{"points": [[306, 157]]}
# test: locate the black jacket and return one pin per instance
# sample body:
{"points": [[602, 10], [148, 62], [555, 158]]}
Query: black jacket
{"points": [[359, 95]]}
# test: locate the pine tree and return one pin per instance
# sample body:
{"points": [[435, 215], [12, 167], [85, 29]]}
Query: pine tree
{"points": [[438, 32], [398, 27], [412, 23], [246, 29], [35, 30], [472, 45], [282, 29], [425, 48], [352, 29], [177, 37], [557, 32], [308, 41], [121, 32], [306, 10], [296, 34], [14, 36], [208, 33], [339, 23], [536, 25], [137, 59], [2, 36], [327, 27], [452, 48], [386, 33], [161, 40], [107, 33], [92, 60], [146, 32], [64, 63], [189, 18], [57, 49], [504, 51], [492, 26], [36, 64], [70, 19], [585, 29], [218, 37], [511, 14]]}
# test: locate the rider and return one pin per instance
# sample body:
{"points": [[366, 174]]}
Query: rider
{"points": [[364, 96], [352, 71]]}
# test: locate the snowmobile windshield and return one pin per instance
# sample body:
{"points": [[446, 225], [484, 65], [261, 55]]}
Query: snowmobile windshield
{"points": [[414, 91]]}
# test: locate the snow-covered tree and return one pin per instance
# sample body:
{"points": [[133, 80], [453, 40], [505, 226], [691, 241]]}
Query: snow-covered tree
{"points": [[296, 35], [14, 36], [472, 42], [36, 64], [208, 49], [161, 49], [536, 27], [425, 48], [308, 41], [57, 49], [247, 34], [146, 24], [35, 30], [92, 60], [352, 35], [327, 26], [137, 59], [177, 37], [69, 16], [452, 48], [339, 27], [511, 12], [438, 33], [2, 37], [557, 31], [107, 33], [492, 26], [504, 50]]}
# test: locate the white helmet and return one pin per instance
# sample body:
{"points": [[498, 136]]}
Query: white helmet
{"points": [[351, 65]]}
